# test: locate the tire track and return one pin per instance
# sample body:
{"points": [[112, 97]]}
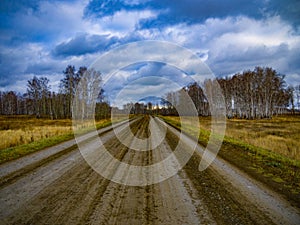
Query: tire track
{"points": [[10, 175], [46, 179], [231, 196], [67, 190], [115, 207]]}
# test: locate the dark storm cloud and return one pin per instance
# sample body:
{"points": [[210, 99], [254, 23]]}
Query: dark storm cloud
{"points": [[36, 21], [83, 44]]}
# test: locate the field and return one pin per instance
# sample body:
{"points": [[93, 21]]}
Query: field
{"points": [[20, 130], [266, 149], [21, 135], [280, 134], [58, 186]]}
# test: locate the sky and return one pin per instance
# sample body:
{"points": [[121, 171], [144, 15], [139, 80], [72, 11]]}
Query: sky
{"points": [[40, 38]]}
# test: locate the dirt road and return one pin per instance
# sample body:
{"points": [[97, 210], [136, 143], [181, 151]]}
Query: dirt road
{"points": [[57, 186]]}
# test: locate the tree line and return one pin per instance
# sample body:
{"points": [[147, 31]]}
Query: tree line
{"points": [[40, 101], [260, 93]]}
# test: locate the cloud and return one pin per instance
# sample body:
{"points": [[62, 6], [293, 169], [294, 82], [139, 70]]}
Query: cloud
{"points": [[143, 88], [41, 21], [83, 44], [233, 44], [99, 8], [14, 61], [142, 80], [172, 12], [195, 11], [18, 85], [43, 37], [269, 42], [159, 69], [287, 10], [124, 21]]}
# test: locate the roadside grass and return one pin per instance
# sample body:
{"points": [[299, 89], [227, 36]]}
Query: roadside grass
{"points": [[22, 135], [280, 134], [253, 146], [18, 130], [12, 153]]}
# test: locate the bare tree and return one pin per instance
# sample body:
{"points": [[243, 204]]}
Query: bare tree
{"points": [[290, 92], [297, 95], [255, 94], [68, 86], [38, 90], [10, 103], [87, 94]]}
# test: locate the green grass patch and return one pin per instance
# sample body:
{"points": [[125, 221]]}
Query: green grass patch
{"points": [[278, 180], [12, 153]]}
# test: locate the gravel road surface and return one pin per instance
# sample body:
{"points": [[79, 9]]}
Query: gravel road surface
{"points": [[57, 185]]}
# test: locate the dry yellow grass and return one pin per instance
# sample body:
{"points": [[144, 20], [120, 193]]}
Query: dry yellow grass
{"points": [[22, 135], [11, 138], [20, 130], [280, 134]]}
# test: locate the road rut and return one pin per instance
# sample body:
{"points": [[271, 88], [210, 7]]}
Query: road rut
{"points": [[66, 190]]}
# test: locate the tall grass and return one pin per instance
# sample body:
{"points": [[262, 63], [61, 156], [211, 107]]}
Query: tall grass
{"points": [[20, 130], [21, 135], [11, 138], [280, 134], [266, 149]]}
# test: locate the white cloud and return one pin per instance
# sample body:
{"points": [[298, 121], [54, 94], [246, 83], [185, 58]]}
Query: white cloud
{"points": [[142, 88], [233, 44], [120, 24], [227, 45]]}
